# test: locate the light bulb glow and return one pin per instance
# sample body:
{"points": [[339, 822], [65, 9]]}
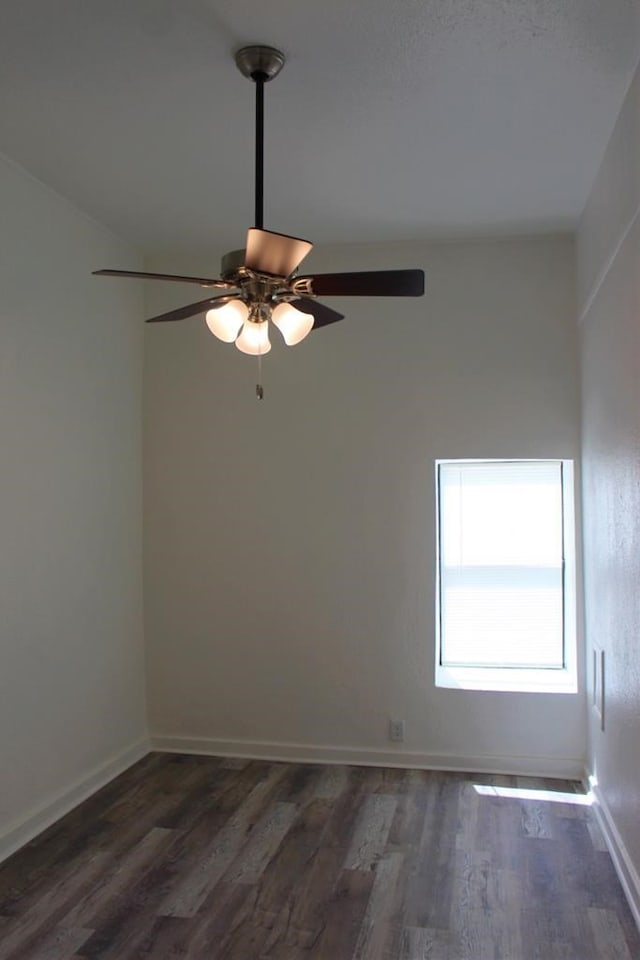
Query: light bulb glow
{"points": [[225, 321], [254, 338], [294, 325]]}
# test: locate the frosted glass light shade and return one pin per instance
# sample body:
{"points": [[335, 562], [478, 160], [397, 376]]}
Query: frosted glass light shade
{"points": [[225, 321], [294, 325], [254, 338]]}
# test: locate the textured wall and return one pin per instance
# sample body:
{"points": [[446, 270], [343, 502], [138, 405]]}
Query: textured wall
{"points": [[71, 657], [609, 259], [290, 556]]}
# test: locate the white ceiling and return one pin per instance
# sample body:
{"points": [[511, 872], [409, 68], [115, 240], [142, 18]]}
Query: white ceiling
{"points": [[392, 119]]}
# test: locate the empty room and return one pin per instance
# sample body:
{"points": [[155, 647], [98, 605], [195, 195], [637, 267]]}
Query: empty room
{"points": [[320, 487]]}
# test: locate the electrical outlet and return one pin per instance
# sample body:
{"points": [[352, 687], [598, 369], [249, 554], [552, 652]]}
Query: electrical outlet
{"points": [[396, 730]]}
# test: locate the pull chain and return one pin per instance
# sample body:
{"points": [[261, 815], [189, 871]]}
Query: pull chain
{"points": [[259, 387]]}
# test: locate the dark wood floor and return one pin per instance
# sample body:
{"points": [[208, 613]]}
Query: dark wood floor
{"points": [[195, 857]]}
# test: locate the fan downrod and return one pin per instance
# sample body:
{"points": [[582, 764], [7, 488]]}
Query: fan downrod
{"points": [[258, 60], [260, 64]]}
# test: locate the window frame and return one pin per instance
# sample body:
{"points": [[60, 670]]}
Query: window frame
{"points": [[508, 678]]}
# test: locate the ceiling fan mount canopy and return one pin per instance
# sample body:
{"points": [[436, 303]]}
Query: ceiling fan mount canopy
{"points": [[257, 60]]}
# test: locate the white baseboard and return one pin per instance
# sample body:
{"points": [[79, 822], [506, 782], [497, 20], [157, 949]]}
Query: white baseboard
{"points": [[22, 831], [571, 769], [627, 872]]}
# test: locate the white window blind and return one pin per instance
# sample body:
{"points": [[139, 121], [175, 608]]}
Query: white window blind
{"points": [[501, 600]]}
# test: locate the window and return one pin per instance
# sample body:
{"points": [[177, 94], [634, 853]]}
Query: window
{"points": [[506, 575]]}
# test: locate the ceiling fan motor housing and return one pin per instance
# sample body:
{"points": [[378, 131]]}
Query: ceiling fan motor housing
{"points": [[231, 263]]}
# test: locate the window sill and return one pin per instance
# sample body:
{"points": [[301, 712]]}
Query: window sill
{"points": [[507, 680]]}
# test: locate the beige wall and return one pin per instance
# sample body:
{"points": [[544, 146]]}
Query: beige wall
{"points": [[609, 268], [290, 543], [71, 657]]}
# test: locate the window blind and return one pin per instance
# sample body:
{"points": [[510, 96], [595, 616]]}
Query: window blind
{"points": [[501, 564]]}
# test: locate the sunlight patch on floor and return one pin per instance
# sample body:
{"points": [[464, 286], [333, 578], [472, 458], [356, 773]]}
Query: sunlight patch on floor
{"points": [[544, 796]]}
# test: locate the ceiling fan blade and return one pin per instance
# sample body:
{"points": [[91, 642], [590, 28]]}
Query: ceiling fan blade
{"points": [[322, 315], [190, 310], [202, 281], [274, 253], [374, 283]]}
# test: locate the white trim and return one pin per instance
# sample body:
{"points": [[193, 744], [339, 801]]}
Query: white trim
{"points": [[627, 872], [510, 680], [560, 767], [604, 271], [22, 831]]}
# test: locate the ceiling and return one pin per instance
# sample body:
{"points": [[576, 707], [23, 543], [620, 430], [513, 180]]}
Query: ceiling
{"points": [[392, 119]]}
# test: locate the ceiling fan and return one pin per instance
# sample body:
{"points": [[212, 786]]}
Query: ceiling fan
{"points": [[260, 283]]}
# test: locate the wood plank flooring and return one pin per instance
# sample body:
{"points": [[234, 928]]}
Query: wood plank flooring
{"points": [[197, 857]]}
